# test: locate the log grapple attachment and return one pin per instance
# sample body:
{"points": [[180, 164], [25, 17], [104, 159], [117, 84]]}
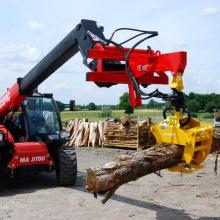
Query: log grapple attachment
{"points": [[194, 137]]}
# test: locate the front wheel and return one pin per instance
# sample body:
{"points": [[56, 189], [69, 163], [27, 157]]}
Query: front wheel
{"points": [[67, 166]]}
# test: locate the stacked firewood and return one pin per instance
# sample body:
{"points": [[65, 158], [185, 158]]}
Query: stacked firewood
{"points": [[134, 135], [85, 133], [109, 133]]}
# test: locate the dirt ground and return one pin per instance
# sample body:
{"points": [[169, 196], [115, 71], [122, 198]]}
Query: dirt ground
{"points": [[194, 196]]}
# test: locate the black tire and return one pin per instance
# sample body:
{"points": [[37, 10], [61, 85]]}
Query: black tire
{"points": [[67, 166]]}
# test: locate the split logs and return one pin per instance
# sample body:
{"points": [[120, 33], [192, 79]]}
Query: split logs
{"points": [[130, 167], [130, 135], [109, 133], [85, 133]]}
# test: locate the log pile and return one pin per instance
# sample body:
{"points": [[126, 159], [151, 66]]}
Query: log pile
{"points": [[136, 135], [109, 133], [85, 133]]}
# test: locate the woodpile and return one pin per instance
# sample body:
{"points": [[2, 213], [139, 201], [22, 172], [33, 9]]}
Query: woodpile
{"points": [[85, 133], [109, 133], [134, 135]]}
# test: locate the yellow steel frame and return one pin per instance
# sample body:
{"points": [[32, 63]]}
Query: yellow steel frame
{"points": [[195, 138]]}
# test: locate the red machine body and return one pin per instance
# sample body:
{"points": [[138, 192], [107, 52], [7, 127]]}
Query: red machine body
{"points": [[148, 67], [25, 153], [11, 100], [29, 154]]}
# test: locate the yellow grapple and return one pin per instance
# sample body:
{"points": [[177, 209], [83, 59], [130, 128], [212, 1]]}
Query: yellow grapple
{"points": [[195, 138]]}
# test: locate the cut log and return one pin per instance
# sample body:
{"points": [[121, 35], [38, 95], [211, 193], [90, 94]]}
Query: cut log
{"points": [[216, 141], [215, 145], [132, 166], [101, 132], [93, 134], [70, 126], [86, 134], [78, 135]]}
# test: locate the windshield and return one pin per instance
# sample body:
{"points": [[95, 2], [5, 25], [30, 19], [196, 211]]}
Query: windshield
{"points": [[42, 116]]}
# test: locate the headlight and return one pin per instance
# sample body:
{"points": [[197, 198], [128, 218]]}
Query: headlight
{"points": [[1, 136]]}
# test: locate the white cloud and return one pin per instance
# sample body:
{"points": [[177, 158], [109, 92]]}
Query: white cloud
{"points": [[29, 53], [201, 81], [22, 52], [178, 45], [35, 26], [210, 11]]}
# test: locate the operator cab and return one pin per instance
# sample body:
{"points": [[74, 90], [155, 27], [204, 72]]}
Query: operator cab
{"points": [[40, 117]]}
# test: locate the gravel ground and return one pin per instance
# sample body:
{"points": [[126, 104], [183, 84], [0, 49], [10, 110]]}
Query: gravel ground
{"points": [[194, 196]]}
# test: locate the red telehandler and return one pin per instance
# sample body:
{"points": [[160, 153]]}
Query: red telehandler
{"points": [[30, 125]]}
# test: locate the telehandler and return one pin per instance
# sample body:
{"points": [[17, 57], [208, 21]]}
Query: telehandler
{"points": [[30, 125]]}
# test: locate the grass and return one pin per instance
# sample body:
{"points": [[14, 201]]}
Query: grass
{"points": [[204, 120], [139, 114], [95, 115]]}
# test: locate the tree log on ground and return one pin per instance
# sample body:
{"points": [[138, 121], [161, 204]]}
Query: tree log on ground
{"points": [[130, 167], [216, 140]]}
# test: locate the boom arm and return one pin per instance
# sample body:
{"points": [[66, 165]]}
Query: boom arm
{"points": [[110, 65], [77, 40]]}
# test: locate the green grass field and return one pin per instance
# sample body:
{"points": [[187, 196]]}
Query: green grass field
{"points": [[95, 115], [139, 114]]}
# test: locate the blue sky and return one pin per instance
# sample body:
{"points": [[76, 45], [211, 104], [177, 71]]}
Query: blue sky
{"points": [[30, 29]]}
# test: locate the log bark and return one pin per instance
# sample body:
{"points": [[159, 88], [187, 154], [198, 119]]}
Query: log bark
{"points": [[215, 145], [216, 141], [130, 167]]}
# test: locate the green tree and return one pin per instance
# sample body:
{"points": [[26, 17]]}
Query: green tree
{"points": [[210, 106], [168, 105], [193, 105], [129, 110], [124, 103], [91, 106], [192, 95], [154, 104]]}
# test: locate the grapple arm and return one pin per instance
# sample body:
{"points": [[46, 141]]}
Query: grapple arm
{"points": [[147, 67]]}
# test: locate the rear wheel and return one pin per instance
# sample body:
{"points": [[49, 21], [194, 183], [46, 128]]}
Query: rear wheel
{"points": [[67, 166]]}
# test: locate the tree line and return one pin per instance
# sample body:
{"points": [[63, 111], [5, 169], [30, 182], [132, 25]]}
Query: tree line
{"points": [[195, 103], [202, 102]]}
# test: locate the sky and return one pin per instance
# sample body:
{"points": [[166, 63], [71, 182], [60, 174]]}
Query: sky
{"points": [[30, 29]]}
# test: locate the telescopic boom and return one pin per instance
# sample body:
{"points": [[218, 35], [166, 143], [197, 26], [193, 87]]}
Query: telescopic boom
{"points": [[77, 40]]}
